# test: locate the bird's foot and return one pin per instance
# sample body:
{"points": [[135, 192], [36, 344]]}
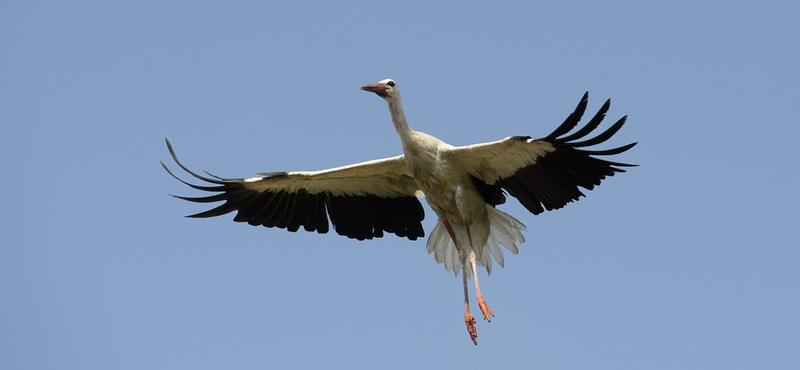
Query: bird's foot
{"points": [[473, 332], [485, 310]]}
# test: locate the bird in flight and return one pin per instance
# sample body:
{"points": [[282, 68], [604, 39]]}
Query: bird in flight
{"points": [[461, 184]]}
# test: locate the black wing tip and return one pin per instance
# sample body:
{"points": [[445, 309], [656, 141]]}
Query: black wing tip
{"points": [[572, 119], [557, 177], [557, 136], [215, 180]]}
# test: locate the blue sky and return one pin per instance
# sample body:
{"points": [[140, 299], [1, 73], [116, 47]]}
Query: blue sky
{"points": [[689, 261]]}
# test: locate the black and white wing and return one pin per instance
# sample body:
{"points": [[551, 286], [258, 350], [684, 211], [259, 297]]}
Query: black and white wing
{"points": [[544, 174], [363, 200]]}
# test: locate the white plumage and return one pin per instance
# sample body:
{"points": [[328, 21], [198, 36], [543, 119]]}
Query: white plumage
{"points": [[462, 185], [505, 231]]}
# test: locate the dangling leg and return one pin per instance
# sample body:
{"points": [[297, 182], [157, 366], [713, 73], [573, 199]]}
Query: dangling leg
{"points": [[468, 318], [462, 257], [485, 310]]}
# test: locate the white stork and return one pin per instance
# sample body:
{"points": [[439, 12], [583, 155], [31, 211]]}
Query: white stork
{"points": [[461, 184]]}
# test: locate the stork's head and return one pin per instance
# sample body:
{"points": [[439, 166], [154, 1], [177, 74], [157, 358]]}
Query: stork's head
{"points": [[386, 89]]}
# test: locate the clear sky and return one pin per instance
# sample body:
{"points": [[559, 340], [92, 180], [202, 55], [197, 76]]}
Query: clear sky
{"points": [[690, 261]]}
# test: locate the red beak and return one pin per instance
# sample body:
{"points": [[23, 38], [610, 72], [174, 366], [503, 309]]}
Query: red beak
{"points": [[377, 88]]}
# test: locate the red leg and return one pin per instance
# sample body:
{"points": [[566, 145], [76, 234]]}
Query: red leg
{"points": [[485, 310], [462, 256]]}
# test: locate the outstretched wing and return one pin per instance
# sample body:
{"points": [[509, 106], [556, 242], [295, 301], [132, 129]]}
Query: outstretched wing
{"points": [[544, 174], [363, 200]]}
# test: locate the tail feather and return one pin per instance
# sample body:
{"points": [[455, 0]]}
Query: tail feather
{"points": [[505, 231]]}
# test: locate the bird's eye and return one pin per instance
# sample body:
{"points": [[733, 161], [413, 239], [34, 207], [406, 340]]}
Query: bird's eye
{"points": [[390, 83]]}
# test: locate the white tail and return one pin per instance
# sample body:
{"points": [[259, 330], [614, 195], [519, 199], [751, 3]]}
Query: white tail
{"points": [[505, 230]]}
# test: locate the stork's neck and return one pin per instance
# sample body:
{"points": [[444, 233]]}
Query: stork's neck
{"points": [[399, 119]]}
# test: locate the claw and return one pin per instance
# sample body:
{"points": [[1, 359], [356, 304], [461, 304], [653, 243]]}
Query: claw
{"points": [[485, 310], [473, 332]]}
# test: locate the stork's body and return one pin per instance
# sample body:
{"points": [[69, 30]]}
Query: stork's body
{"points": [[462, 185], [444, 182], [448, 191]]}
